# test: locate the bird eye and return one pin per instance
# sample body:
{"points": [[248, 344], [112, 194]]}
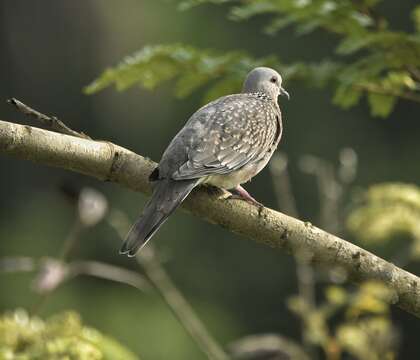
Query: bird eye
{"points": [[273, 79]]}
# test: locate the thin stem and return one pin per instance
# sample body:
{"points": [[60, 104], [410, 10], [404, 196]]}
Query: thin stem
{"points": [[409, 95], [282, 187], [39, 303], [71, 240], [414, 72], [68, 245], [108, 272], [179, 305], [17, 264], [328, 188], [306, 287], [304, 272], [51, 121], [176, 302]]}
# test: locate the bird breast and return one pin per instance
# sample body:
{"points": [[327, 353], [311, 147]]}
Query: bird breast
{"points": [[235, 178]]}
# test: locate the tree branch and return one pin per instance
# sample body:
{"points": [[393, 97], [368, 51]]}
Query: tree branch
{"points": [[109, 162]]}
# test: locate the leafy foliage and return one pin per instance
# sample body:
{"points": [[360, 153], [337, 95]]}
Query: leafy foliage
{"points": [[60, 337], [386, 211], [355, 323], [365, 329], [370, 58], [193, 68]]}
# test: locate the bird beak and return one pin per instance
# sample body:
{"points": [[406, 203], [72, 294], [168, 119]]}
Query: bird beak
{"points": [[285, 93]]}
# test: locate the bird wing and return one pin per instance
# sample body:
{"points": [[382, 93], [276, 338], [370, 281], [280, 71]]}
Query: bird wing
{"points": [[225, 135]]}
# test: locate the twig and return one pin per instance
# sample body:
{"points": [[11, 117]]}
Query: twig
{"points": [[267, 346], [409, 95], [91, 207], [74, 269], [179, 305], [52, 121], [414, 72], [17, 264], [68, 245], [282, 187], [108, 272], [169, 292], [378, 20], [304, 271], [306, 287], [329, 190], [71, 240]]}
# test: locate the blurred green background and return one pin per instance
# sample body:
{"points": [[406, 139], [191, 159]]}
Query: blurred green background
{"points": [[50, 50]]}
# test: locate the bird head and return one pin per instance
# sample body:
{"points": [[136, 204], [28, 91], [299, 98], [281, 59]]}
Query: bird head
{"points": [[265, 80]]}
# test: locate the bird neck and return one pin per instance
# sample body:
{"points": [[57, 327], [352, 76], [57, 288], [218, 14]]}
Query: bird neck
{"points": [[262, 95]]}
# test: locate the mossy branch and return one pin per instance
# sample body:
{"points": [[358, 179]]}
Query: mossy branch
{"points": [[110, 162]]}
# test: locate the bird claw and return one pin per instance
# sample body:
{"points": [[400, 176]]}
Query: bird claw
{"points": [[249, 201], [240, 193]]}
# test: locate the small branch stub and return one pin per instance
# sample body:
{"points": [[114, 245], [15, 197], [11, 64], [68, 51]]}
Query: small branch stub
{"points": [[51, 121]]}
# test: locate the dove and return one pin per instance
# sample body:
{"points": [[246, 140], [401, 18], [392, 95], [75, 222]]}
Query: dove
{"points": [[223, 144]]}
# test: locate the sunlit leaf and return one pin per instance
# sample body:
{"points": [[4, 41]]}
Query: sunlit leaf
{"points": [[347, 96], [368, 339], [336, 295], [352, 44], [416, 17], [372, 297], [387, 211], [380, 104], [191, 67], [188, 4], [374, 61]]}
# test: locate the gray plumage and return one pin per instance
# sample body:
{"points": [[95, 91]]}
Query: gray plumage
{"points": [[224, 144]]}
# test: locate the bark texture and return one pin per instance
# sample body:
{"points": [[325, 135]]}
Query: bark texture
{"points": [[109, 162]]}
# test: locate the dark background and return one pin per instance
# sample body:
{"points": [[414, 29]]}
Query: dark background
{"points": [[50, 50]]}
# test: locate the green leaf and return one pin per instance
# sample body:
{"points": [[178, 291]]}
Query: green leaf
{"points": [[381, 105], [188, 4], [347, 96], [369, 338], [192, 68], [278, 24], [251, 9], [336, 295], [379, 62], [154, 65], [353, 44], [371, 3], [372, 297], [416, 17], [387, 211], [228, 85], [188, 82]]}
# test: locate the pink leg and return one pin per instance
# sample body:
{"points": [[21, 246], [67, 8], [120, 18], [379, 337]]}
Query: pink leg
{"points": [[240, 193]]}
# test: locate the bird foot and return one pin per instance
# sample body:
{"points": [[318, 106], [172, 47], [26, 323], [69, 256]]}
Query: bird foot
{"points": [[241, 194]]}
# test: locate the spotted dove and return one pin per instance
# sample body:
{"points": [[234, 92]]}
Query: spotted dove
{"points": [[223, 144]]}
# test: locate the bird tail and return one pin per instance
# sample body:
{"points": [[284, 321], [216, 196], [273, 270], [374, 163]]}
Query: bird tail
{"points": [[167, 196]]}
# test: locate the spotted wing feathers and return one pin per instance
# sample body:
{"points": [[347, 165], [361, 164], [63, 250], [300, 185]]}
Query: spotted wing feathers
{"points": [[227, 135]]}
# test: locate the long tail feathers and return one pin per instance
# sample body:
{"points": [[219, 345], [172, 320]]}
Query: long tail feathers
{"points": [[167, 196]]}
